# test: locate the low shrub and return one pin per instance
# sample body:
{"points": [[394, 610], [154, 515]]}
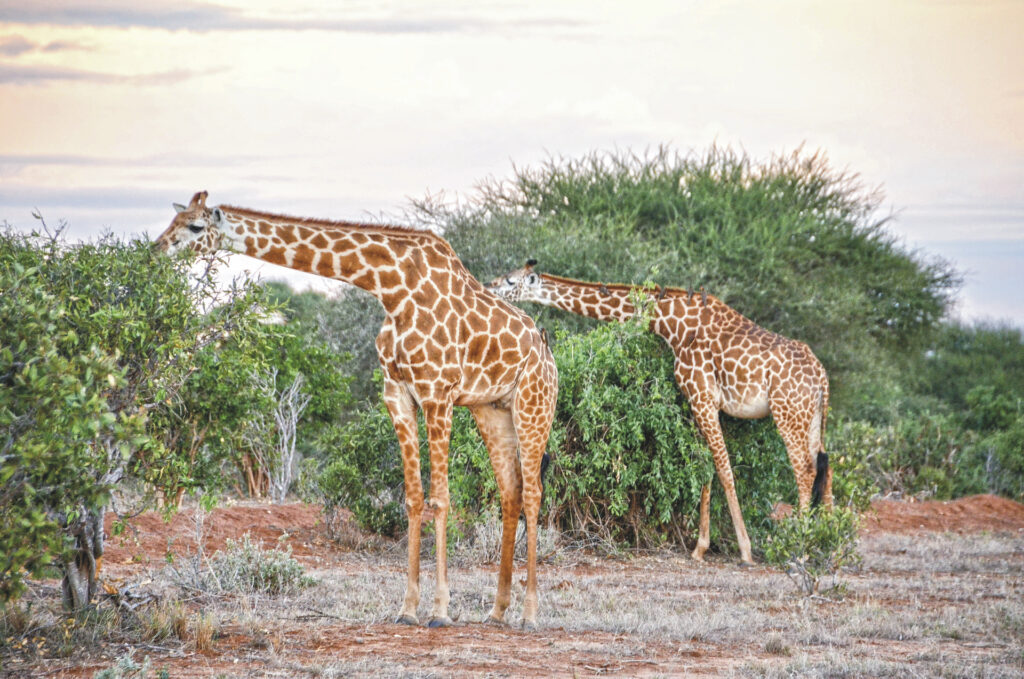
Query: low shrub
{"points": [[814, 544], [246, 567], [126, 667]]}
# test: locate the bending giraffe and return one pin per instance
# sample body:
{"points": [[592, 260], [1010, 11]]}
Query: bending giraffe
{"points": [[723, 362], [446, 341]]}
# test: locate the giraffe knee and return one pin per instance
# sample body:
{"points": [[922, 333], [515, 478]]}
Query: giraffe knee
{"points": [[438, 504], [414, 505]]}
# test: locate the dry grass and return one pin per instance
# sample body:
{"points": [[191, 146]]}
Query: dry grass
{"points": [[930, 605]]}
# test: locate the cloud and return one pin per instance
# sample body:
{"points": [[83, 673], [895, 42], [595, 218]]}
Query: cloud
{"points": [[17, 201], [13, 45], [18, 74], [63, 46], [173, 160], [16, 45], [196, 16]]}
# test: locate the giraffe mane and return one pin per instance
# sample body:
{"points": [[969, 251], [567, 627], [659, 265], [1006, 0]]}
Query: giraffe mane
{"points": [[327, 224], [620, 287]]}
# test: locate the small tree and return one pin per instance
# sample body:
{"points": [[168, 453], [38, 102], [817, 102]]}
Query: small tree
{"points": [[275, 432]]}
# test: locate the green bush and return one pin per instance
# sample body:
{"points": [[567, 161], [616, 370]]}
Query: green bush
{"points": [[853, 448], [790, 242], [994, 464], [630, 462], [814, 544]]}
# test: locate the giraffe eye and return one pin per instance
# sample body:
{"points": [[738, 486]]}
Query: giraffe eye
{"points": [[195, 228], [509, 281]]}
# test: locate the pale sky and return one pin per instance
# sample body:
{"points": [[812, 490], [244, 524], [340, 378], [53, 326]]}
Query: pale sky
{"points": [[110, 110]]}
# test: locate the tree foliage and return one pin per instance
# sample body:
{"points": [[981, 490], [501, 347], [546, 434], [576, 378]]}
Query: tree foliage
{"points": [[96, 340], [790, 242]]}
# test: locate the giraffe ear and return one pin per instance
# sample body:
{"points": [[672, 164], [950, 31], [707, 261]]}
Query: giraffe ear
{"points": [[530, 263], [198, 200], [178, 207]]}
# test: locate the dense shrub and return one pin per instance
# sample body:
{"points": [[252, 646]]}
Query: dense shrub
{"points": [[103, 350], [628, 463], [363, 473], [96, 340]]}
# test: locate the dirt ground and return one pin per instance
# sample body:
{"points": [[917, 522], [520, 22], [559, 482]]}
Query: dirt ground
{"points": [[940, 593]]}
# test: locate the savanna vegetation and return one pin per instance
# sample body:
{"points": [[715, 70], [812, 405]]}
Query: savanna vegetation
{"points": [[127, 379], [921, 404]]}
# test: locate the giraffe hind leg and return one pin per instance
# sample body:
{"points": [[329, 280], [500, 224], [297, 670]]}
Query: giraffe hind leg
{"points": [[533, 412], [499, 435], [704, 537]]}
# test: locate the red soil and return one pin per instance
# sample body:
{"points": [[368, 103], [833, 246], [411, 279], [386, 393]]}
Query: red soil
{"points": [[149, 538]]}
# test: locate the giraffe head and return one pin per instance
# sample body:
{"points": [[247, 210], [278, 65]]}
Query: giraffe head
{"points": [[196, 227], [521, 285]]}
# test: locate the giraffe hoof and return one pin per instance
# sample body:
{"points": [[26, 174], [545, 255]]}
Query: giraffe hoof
{"points": [[746, 564], [530, 625], [440, 622], [495, 622], [407, 620]]}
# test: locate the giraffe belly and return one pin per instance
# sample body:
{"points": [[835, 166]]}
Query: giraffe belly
{"points": [[752, 407]]}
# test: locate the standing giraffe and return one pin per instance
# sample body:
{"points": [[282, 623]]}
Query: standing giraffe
{"points": [[446, 341], [724, 361]]}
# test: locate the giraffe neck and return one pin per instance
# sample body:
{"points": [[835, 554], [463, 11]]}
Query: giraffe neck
{"points": [[374, 258], [603, 302]]}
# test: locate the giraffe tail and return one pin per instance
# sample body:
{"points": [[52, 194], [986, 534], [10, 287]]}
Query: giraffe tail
{"points": [[821, 464], [820, 477], [544, 462]]}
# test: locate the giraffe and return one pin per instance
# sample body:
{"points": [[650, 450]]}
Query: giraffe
{"points": [[446, 342], [723, 362]]}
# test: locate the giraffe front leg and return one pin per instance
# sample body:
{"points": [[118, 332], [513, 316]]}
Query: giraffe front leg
{"points": [[707, 421], [403, 417], [439, 425]]}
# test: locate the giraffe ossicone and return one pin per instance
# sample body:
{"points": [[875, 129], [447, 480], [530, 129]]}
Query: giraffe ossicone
{"points": [[723, 362], [446, 341]]}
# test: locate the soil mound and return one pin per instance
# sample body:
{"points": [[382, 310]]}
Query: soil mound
{"points": [[150, 537], [971, 514]]}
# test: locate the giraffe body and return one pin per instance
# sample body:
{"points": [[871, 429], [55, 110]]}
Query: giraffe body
{"points": [[723, 362], [446, 341]]}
